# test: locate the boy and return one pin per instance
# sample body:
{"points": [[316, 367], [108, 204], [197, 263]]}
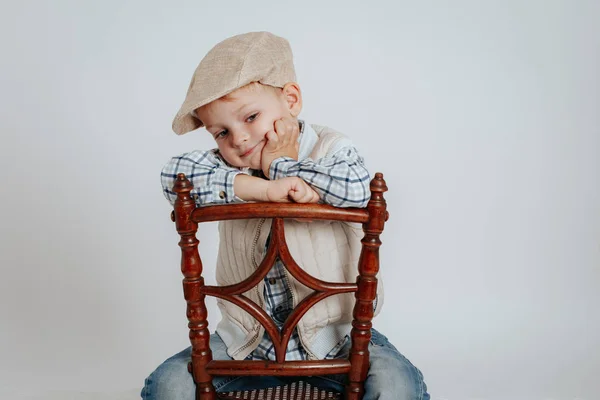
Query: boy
{"points": [[244, 93]]}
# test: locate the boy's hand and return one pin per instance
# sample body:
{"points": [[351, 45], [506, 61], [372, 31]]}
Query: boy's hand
{"points": [[282, 141], [291, 189]]}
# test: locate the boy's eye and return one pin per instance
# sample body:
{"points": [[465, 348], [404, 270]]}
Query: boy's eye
{"points": [[252, 117], [221, 134]]}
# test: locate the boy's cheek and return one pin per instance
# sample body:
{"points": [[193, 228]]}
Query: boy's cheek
{"points": [[225, 154]]}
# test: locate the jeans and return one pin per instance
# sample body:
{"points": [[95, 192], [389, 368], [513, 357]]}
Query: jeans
{"points": [[391, 376]]}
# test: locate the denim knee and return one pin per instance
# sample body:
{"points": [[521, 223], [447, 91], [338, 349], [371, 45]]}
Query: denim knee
{"points": [[391, 375], [172, 381]]}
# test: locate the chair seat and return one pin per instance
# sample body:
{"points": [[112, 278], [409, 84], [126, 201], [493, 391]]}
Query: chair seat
{"points": [[293, 391]]}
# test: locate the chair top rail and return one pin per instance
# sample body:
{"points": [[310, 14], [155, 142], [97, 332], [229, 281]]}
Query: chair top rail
{"points": [[287, 368], [279, 210]]}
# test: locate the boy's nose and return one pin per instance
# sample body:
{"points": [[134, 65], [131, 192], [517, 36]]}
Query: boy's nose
{"points": [[239, 138]]}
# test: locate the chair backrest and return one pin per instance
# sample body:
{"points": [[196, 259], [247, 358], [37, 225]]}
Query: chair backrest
{"points": [[187, 217]]}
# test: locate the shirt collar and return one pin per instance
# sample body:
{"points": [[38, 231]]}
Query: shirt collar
{"points": [[308, 139]]}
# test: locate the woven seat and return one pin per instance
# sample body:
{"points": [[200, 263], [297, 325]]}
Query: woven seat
{"points": [[294, 391], [187, 217]]}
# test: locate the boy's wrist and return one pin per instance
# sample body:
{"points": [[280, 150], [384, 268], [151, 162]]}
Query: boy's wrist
{"points": [[268, 163], [250, 188], [279, 167], [266, 167], [271, 160]]}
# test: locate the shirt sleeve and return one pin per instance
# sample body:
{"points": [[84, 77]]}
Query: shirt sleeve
{"points": [[211, 177], [341, 179]]}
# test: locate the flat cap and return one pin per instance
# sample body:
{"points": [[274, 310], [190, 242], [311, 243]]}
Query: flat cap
{"points": [[233, 63]]}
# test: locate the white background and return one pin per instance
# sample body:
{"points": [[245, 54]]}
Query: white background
{"points": [[482, 115]]}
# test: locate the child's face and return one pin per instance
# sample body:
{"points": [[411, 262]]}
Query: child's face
{"points": [[239, 122]]}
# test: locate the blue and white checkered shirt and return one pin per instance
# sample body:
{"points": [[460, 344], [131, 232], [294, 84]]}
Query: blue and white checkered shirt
{"points": [[340, 179], [279, 304]]}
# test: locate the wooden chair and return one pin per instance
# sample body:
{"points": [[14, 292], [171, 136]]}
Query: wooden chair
{"points": [[186, 217]]}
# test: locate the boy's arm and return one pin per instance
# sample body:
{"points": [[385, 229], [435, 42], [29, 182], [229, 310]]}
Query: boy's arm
{"points": [[217, 183], [283, 190], [341, 178], [213, 180]]}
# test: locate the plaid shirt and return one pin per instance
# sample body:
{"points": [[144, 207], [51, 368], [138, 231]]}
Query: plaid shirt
{"points": [[340, 179], [279, 304]]}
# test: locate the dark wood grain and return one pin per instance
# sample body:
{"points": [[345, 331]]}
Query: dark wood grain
{"points": [[288, 368], [202, 367], [279, 210], [368, 266], [191, 268]]}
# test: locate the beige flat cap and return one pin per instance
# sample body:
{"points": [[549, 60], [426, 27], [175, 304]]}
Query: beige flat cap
{"points": [[233, 63]]}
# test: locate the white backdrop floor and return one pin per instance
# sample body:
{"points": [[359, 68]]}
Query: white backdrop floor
{"points": [[133, 394]]}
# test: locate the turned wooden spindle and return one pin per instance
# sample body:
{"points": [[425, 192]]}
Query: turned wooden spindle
{"points": [[186, 217], [191, 268], [368, 266]]}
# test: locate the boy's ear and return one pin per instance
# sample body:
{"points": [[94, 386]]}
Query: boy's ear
{"points": [[293, 98]]}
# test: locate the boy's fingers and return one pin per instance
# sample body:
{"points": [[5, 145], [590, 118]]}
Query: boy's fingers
{"points": [[310, 195], [305, 194], [293, 127], [293, 195], [287, 128], [305, 198], [296, 194], [280, 127], [272, 136], [315, 196], [298, 191], [272, 139]]}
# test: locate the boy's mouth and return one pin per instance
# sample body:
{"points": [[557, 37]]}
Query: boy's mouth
{"points": [[251, 150]]}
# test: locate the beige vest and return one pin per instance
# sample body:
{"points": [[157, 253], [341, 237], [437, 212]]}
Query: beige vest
{"points": [[327, 250]]}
